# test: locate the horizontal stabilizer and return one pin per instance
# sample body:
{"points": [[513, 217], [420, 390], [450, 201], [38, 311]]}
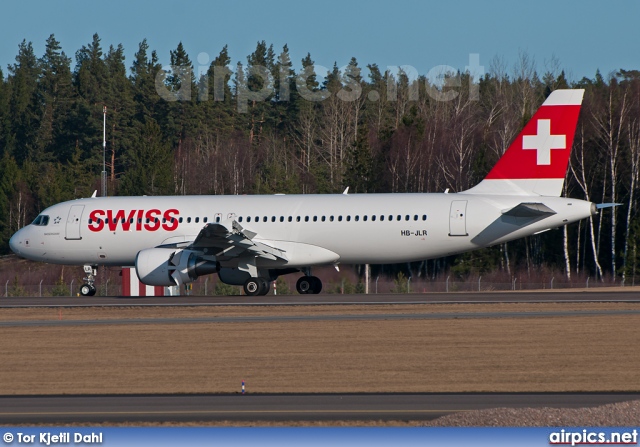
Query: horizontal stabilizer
{"points": [[529, 210]]}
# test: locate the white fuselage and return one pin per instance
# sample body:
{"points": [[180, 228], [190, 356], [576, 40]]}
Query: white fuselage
{"points": [[310, 229]]}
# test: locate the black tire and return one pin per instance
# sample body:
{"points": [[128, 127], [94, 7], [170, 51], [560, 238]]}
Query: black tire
{"points": [[265, 286], [93, 291], [87, 290], [304, 285], [252, 286], [316, 285]]}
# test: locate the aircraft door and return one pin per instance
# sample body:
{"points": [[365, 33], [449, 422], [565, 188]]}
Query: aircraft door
{"points": [[72, 230], [458, 218]]}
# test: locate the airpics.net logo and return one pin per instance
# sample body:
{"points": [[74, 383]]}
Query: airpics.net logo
{"points": [[590, 437], [257, 83]]}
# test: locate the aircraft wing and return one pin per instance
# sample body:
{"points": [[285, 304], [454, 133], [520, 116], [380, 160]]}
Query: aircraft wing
{"points": [[530, 210], [217, 240]]}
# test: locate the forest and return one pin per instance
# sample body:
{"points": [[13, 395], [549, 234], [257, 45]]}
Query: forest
{"points": [[258, 126]]}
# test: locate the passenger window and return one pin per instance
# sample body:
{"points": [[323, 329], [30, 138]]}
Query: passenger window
{"points": [[248, 218], [197, 219], [264, 219], [297, 218], [415, 217], [348, 218], [364, 218], [188, 220], [390, 217], [179, 220], [281, 218], [205, 220], [339, 218], [407, 217], [424, 217], [382, 217], [324, 218], [306, 218], [290, 219], [240, 219], [357, 218], [399, 217], [273, 218], [315, 218], [331, 218], [217, 218], [373, 218]]}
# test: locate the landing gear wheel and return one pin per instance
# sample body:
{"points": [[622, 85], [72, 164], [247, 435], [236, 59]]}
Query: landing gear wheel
{"points": [[256, 286], [265, 286], [303, 286], [309, 284], [87, 290], [316, 284]]}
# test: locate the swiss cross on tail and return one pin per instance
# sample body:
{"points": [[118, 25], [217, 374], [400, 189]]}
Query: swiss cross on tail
{"points": [[536, 161]]}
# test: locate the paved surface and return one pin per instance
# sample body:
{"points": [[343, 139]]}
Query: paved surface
{"points": [[317, 407], [593, 295], [318, 317]]}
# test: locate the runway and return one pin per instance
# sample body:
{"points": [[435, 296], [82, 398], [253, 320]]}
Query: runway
{"points": [[277, 407], [594, 295], [319, 317]]}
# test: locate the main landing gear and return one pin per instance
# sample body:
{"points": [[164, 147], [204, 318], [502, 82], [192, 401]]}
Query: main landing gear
{"points": [[260, 286], [88, 288], [257, 286], [309, 285]]}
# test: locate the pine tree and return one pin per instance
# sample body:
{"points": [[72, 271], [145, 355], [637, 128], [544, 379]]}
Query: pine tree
{"points": [[120, 112], [148, 164], [23, 83], [54, 99], [86, 120], [219, 108], [359, 164], [143, 78]]}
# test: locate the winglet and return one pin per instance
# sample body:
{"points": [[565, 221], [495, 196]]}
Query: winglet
{"points": [[346, 191], [95, 194]]}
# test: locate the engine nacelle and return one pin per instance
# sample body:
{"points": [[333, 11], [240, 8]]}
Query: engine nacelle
{"points": [[233, 277], [171, 267]]}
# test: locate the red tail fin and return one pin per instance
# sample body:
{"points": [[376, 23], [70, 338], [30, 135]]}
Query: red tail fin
{"points": [[537, 160]]}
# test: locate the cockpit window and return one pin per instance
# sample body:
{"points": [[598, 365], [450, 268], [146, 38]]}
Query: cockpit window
{"points": [[41, 221]]}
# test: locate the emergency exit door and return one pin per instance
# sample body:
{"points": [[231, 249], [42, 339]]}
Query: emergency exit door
{"points": [[72, 230], [458, 218]]}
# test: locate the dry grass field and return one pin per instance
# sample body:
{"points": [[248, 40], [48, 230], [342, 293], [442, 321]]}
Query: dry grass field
{"points": [[581, 353]]}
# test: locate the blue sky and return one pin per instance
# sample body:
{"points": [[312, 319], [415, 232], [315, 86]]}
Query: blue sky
{"points": [[582, 35]]}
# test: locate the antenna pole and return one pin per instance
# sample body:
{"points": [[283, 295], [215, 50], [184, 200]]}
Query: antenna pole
{"points": [[104, 152]]}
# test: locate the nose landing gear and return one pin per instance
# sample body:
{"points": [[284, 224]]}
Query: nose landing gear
{"points": [[88, 288]]}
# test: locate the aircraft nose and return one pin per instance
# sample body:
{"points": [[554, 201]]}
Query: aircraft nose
{"points": [[14, 243]]}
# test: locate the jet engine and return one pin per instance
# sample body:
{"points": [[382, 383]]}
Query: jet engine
{"points": [[171, 267]]}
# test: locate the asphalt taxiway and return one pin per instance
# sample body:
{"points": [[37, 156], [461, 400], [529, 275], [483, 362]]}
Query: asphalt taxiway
{"points": [[277, 407], [593, 295]]}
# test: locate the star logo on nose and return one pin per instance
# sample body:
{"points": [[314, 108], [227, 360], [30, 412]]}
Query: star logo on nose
{"points": [[57, 220]]}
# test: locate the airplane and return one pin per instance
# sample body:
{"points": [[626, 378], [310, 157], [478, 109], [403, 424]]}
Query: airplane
{"points": [[251, 240]]}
